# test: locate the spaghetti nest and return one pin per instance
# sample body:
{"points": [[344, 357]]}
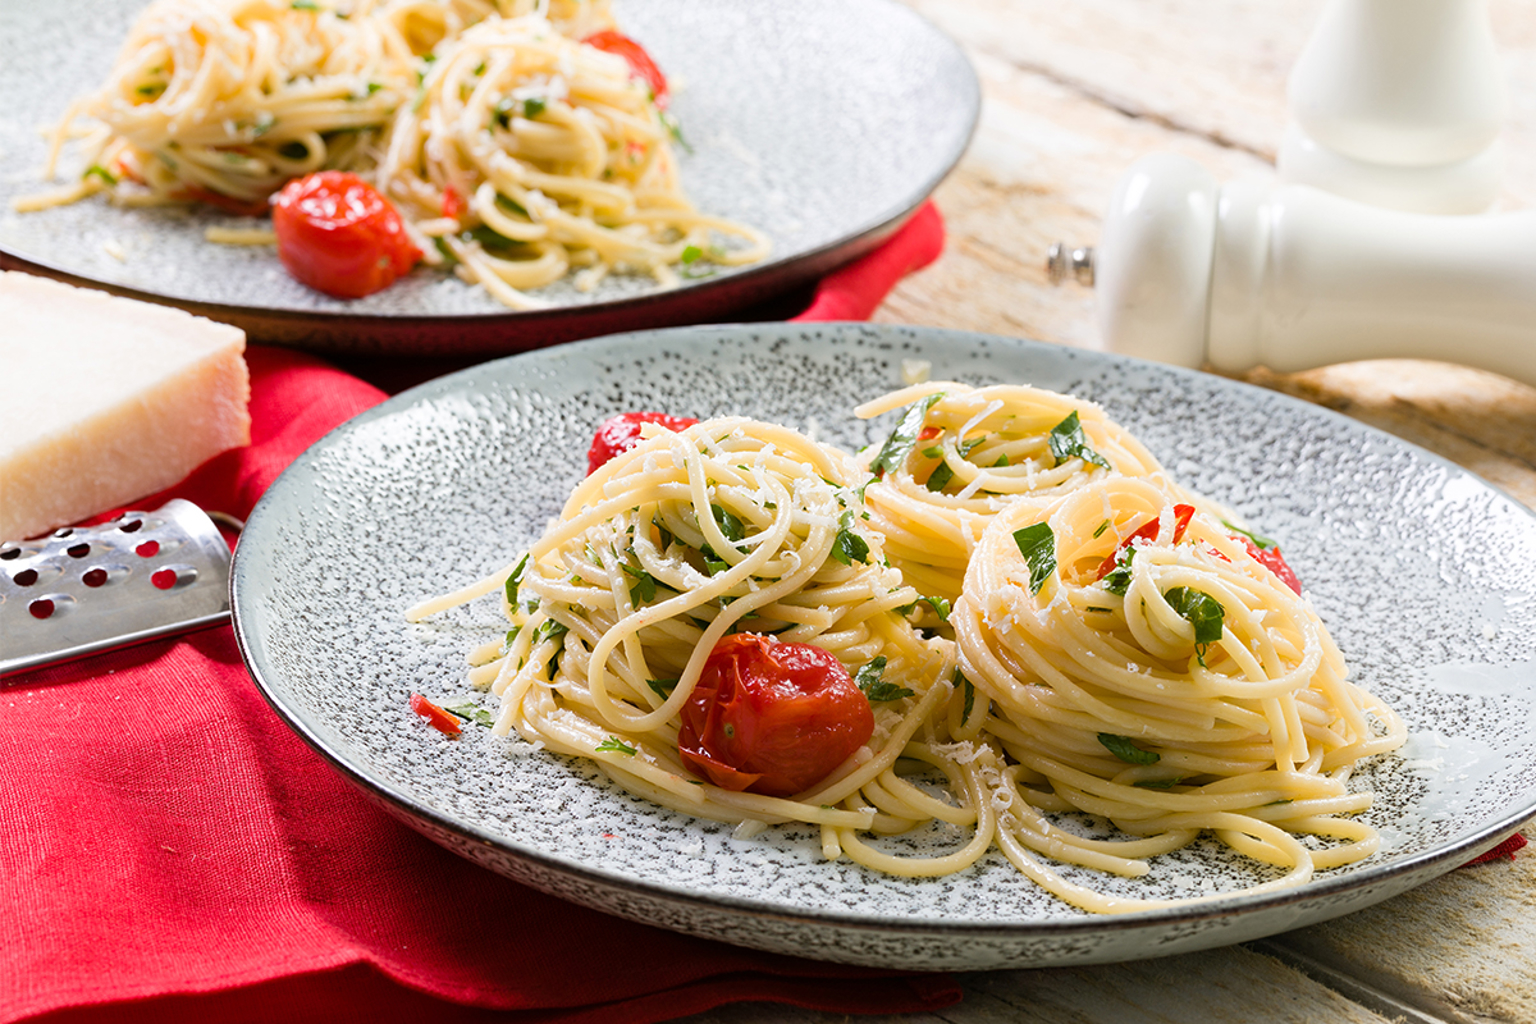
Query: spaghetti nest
{"points": [[961, 454], [1171, 686], [529, 154], [224, 102], [730, 526]]}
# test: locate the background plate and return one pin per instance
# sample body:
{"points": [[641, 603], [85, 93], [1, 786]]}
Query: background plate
{"points": [[823, 124], [1420, 570]]}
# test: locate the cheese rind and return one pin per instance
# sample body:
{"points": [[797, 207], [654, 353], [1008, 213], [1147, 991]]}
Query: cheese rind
{"points": [[104, 400]]}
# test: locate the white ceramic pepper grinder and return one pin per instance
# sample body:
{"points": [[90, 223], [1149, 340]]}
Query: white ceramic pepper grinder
{"points": [[1399, 103], [1188, 272]]}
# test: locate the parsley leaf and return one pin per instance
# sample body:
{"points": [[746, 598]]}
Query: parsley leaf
{"points": [[1100, 531], [1200, 610], [970, 694], [1038, 546], [616, 745], [939, 605], [1127, 751], [966, 447], [729, 524], [849, 547], [1260, 542], [643, 590], [513, 580], [940, 477], [1159, 783], [902, 440], [1067, 440], [472, 713], [876, 689], [1118, 579], [662, 687], [98, 171], [550, 629], [533, 106]]}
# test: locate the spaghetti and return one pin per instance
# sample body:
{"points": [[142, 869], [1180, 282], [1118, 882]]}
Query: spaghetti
{"points": [[516, 153], [961, 454], [1118, 651], [1171, 686]]}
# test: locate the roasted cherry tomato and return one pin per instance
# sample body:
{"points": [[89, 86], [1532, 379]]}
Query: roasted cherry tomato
{"points": [[639, 61], [1272, 560], [773, 718], [336, 234], [1182, 514], [439, 719], [622, 432]]}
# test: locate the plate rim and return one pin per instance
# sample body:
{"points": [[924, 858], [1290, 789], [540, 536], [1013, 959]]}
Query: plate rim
{"points": [[1429, 863]]}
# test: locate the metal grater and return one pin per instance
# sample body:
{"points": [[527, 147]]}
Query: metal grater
{"points": [[86, 590]]}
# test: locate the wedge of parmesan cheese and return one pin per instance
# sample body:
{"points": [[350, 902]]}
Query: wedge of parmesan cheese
{"points": [[105, 400]]}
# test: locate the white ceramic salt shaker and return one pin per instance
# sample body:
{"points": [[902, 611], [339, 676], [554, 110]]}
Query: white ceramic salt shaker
{"points": [[1292, 277], [1399, 103]]}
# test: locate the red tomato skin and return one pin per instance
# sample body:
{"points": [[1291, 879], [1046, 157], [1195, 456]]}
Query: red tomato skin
{"points": [[770, 717], [1272, 560], [1182, 514], [620, 433], [640, 62], [439, 719], [338, 235]]}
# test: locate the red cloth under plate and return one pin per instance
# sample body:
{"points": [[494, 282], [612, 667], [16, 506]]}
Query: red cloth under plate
{"points": [[170, 851]]}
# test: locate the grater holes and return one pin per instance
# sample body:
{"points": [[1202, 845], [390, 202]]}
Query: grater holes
{"points": [[148, 549], [10, 550], [129, 524], [173, 577], [25, 578], [78, 550], [49, 606]]}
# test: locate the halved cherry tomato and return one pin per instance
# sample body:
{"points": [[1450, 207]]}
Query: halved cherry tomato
{"points": [[1182, 514], [453, 203], [773, 718], [338, 235], [1272, 560], [622, 432], [439, 719], [640, 62]]}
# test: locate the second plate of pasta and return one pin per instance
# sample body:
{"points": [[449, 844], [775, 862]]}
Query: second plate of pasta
{"points": [[1157, 494]]}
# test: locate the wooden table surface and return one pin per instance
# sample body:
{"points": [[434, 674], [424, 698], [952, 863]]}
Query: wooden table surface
{"points": [[1073, 93]]}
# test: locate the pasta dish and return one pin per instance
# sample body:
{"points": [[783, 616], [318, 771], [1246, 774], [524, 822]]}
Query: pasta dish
{"points": [[733, 620], [520, 141]]}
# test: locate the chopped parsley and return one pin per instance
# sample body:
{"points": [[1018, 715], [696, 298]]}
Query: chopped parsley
{"points": [[1100, 531], [939, 605], [1200, 610], [1127, 751], [662, 687], [615, 745], [533, 106], [875, 688], [1118, 579], [729, 525], [849, 547], [1159, 783], [643, 590], [1038, 546], [304, 5], [514, 579], [1067, 441], [966, 447], [98, 171], [472, 713], [550, 629], [904, 437], [940, 477], [1002, 460], [969, 689]]}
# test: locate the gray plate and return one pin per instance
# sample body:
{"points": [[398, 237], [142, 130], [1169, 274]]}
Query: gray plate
{"points": [[824, 124], [1421, 571]]}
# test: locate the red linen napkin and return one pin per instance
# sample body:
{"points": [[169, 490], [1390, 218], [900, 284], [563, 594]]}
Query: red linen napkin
{"points": [[170, 851]]}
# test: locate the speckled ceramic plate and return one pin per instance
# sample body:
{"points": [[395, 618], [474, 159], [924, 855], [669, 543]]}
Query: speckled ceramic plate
{"points": [[1421, 571], [823, 124]]}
